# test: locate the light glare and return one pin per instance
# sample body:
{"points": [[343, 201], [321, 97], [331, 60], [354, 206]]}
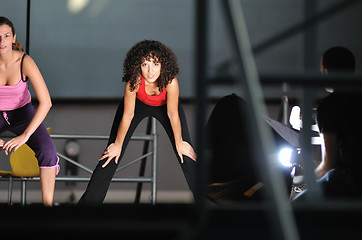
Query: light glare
{"points": [[285, 155]]}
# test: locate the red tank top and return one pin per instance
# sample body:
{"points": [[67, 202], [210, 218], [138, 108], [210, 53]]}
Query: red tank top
{"points": [[152, 100]]}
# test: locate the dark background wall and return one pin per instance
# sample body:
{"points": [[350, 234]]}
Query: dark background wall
{"points": [[80, 45]]}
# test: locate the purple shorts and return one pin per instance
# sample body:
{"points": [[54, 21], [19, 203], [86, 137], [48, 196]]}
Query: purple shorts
{"points": [[16, 121]]}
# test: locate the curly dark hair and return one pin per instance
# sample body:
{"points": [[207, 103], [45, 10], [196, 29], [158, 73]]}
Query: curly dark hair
{"points": [[145, 50]]}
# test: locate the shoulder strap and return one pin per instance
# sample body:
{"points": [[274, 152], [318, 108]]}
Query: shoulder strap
{"points": [[21, 68]]}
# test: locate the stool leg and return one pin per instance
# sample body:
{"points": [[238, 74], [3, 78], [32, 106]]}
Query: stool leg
{"points": [[10, 190], [23, 192]]}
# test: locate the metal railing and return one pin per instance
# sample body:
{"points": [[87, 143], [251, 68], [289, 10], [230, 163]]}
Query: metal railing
{"points": [[151, 136]]}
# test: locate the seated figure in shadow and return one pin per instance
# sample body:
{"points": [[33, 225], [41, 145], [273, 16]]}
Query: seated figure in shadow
{"points": [[340, 171], [234, 176]]}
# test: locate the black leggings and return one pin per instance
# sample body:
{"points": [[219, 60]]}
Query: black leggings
{"points": [[99, 183]]}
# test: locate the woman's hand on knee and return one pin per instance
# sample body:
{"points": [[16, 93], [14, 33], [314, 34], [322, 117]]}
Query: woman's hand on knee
{"points": [[112, 151], [14, 143], [184, 148]]}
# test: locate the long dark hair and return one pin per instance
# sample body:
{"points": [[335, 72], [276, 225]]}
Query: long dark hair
{"points": [[6, 21]]}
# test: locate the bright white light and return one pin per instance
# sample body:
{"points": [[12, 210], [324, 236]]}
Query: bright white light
{"points": [[295, 119], [285, 155], [75, 6]]}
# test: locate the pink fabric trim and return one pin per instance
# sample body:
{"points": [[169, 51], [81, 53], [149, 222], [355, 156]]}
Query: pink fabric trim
{"points": [[5, 115], [57, 166]]}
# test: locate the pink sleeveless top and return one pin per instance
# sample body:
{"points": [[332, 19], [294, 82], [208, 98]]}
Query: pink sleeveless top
{"points": [[15, 96], [152, 100]]}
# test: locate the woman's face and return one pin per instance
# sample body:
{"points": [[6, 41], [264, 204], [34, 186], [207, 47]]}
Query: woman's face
{"points": [[6, 38], [151, 70]]}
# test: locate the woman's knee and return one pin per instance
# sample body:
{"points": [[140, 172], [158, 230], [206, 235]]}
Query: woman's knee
{"points": [[47, 157]]}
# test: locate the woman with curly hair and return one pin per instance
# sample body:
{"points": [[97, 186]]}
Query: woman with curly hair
{"points": [[150, 71]]}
